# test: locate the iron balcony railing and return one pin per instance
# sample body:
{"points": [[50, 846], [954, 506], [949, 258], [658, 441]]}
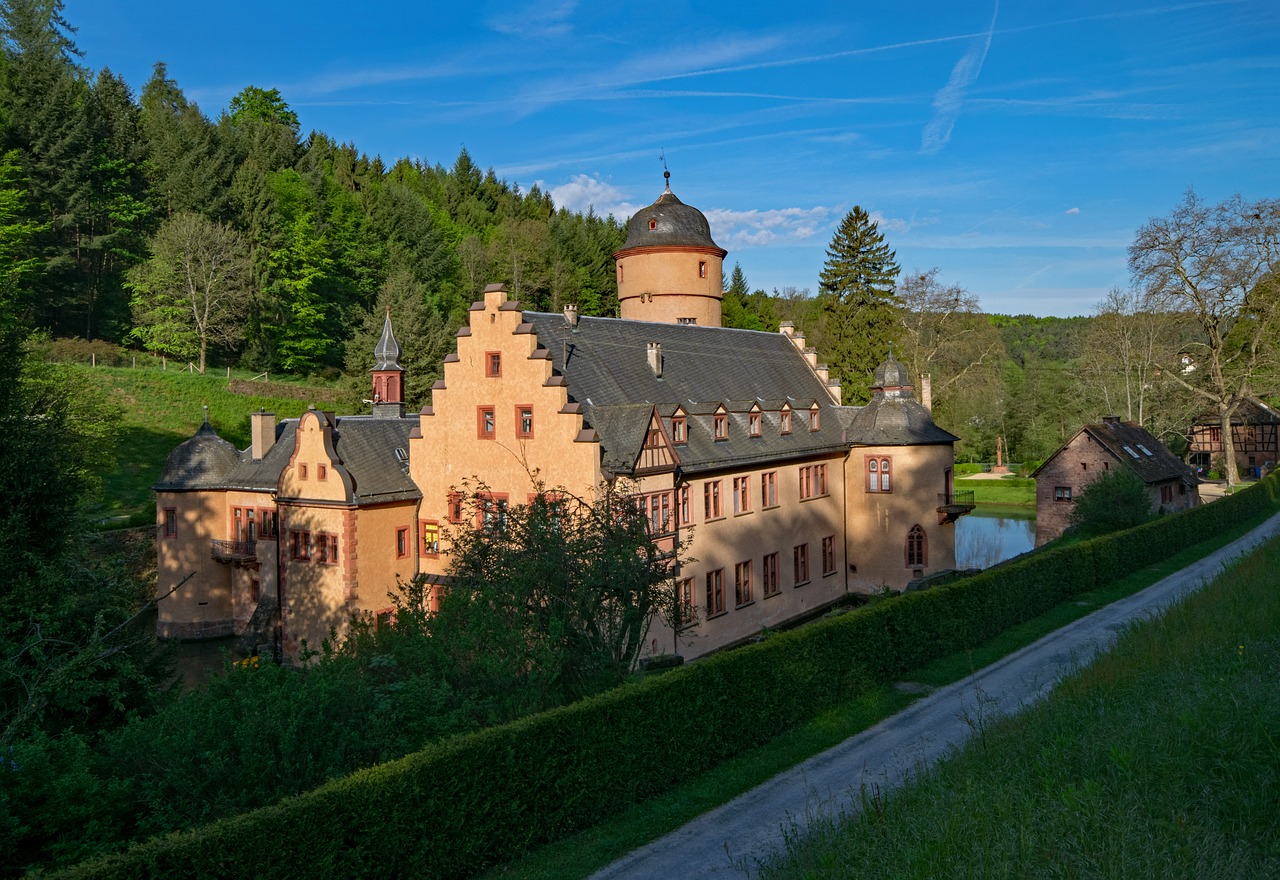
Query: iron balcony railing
{"points": [[234, 551], [956, 501]]}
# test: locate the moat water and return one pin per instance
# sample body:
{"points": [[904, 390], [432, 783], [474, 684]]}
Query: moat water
{"points": [[994, 533]]}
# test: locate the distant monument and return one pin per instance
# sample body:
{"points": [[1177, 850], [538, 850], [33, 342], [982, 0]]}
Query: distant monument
{"points": [[1000, 466]]}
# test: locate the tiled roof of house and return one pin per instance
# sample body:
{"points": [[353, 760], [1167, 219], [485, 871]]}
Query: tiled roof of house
{"points": [[366, 447], [202, 462], [1137, 449]]}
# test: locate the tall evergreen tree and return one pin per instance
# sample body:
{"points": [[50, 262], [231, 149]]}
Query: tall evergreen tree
{"points": [[858, 303]]}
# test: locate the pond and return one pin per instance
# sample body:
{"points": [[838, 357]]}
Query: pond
{"points": [[994, 533]]}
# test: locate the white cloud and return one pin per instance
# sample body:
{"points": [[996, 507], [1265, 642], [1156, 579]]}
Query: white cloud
{"points": [[898, 224], [538, 20], [950, 98], [585, 191], [1073, 210], [739, 229]]}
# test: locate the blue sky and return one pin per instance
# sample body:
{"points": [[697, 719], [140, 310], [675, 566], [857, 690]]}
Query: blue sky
{"points": [[1015, 146]]}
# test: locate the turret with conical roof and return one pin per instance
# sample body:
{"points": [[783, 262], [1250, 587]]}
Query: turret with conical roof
{"points": [[388, 375], [669, 268]]}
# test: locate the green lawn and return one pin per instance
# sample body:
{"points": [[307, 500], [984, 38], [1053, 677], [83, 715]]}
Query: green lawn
{"points": [[160, 409], [1006, 490]]}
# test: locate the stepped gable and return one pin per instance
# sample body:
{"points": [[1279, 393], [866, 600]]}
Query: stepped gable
{"points": [[606, 362], [893, 417], [202, 462], [669, 222]]}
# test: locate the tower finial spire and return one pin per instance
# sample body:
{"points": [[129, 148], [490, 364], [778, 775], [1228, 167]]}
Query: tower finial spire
{"points": [[666, 173]]}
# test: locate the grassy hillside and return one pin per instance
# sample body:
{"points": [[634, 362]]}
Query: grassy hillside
{"points": [[160, 409]]}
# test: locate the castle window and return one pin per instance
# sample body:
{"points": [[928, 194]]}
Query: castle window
{"points": [[786, 421], [769, 575], [813, 419], [769, 489], [741, 494], [430, 532], [1061, 493], [715, 592], [524, 421], [685, 591], [328, 547], [917, 547], [302, 472], [753, 424], [171, 522], [720, 425], [455, 507], [300, 545], [653, 223], [879, 477], [678, 430], [702, 269], [829, 555], [493, 364], [402, 542], [322, 472], [800, 560], [813, 481], [742, 583], [492, 516], [682, 496], [712, 508], [484, 422], [686, 320]]}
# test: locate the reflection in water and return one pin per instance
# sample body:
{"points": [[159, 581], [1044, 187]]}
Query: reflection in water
{"points": [[994, 534]]}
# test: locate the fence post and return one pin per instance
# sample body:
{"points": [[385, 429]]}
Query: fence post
{"points": [[93, 359]]}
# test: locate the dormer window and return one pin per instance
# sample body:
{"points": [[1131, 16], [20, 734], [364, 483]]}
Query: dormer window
{"points": [[677, 430], [813, 419], [653, 224], [786, 421], [720, 425], [753, 424]]}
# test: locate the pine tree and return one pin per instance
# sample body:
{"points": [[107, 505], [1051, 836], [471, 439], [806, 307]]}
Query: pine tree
{"points": [[858, 303]]}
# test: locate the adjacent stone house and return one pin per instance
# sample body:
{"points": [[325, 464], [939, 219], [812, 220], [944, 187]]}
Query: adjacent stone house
{"points": [[1097, 449]]}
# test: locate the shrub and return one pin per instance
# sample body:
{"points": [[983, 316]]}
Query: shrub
{"points": [[1116, 500]]}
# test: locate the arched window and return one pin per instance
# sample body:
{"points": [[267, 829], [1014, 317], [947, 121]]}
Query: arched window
{"points": [[917, 548]]}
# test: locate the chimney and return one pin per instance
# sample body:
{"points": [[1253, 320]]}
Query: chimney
{"points": [[926, 392], [262, 431], [786, 328], [655, 358], [571, 315]]}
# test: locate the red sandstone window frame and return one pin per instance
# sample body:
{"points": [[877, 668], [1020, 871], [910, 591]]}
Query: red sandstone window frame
{"points": [[322, 472], [384, 617], [684, 593], [742, 584], [916, 551], [828, 555], [402, 542], [712, 506], [715, 593], [753, 424], [170, 524], [486, 423], [269, 524], [813, 419], [524, 421], [720, 426], [491, 510], [327, 544], [429, 537], [879, 469], [741, 495], [813, 481], [685, 515], [300, 545], [302, 471], [454, 502], [769, 575], [800, 564], [785, 421], [493, 364], [769, 489], [679, 434]]}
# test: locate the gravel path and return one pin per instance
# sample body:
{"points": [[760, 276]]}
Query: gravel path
{"points": [[737, 834]]}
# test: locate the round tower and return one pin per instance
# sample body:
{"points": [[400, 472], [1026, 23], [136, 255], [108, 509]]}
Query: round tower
{"points": [[669, 269]]}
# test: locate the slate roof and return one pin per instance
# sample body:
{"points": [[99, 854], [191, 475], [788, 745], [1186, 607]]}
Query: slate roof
{"points": [[675, 224], [202, 462], [366, 447], [1136, 448], [605, 361], [893, 417]]}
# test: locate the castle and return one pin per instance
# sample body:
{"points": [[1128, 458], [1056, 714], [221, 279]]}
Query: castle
{"points": [[732, 441]]}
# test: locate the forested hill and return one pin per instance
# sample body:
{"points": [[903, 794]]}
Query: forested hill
{"points": [[313, 238]]}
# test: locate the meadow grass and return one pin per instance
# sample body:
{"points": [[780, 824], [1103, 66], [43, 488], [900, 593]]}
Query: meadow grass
{"points": [[160, 409], [581, 855], [1160, 759], [1006, 490]]}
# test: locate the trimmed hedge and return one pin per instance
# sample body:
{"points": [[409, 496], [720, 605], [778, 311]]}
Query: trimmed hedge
{"points": [[465, 803]]}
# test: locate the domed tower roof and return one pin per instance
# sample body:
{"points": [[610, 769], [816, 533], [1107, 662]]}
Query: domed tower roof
{"points": [[891, 375], [203, 461], [387, 352], [669, 222], [894, 417]]}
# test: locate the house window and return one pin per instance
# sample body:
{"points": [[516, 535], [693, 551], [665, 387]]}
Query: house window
{"points": [[769, 489], [653, 223], [302, 472], [829, 555], [677, 430], [268, 528], [1061, 493], [430, 532], [493, 364], [813, 481], [721, 427], [402, 542], [741, 494], [455, 507], [769, 575], [800, 557], [492, 515], [322, 472], [715, 592], [328, 548], [917, 548], [682, 494], [524, 421], [742, 583], [813, 419], [171, 522], [484, 422], [1215, 435], [879, 475], [384, 618], [656, 509], [753, 424], [711, 500], [1166, 494], [702, 269], [300, 545], [255, 590], [786, 421]]}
